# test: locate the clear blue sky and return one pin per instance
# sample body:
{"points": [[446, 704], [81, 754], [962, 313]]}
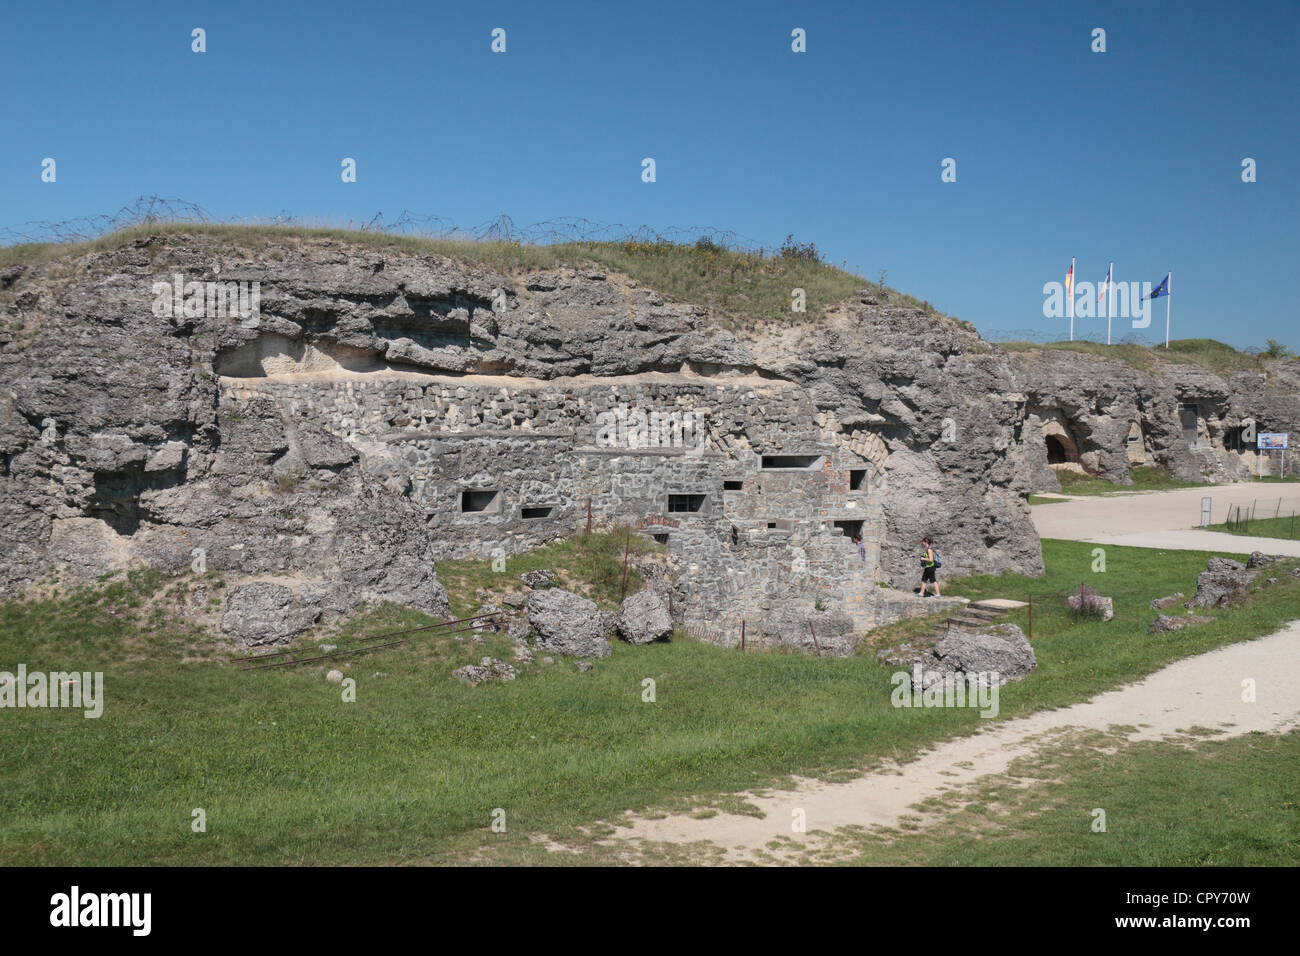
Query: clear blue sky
{"points": [[1132, 155]]}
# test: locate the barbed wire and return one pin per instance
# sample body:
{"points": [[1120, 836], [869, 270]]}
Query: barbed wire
{"points": [[145, 210], [1046, 336]]}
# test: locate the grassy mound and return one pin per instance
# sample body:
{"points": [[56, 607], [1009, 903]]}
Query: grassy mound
{"points": [[739, 286]]}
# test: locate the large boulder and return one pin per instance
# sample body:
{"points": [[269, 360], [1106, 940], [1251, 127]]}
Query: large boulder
{"points": [[566, 623], [643, 618], [1002, 650], [267, 613], [1222, 583]]}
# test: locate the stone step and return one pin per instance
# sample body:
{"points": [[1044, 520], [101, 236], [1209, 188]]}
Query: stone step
{"points": [[967, 621], [997, 604]]}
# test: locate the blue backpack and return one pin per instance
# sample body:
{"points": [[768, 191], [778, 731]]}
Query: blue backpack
{"points": [[937, 563]]}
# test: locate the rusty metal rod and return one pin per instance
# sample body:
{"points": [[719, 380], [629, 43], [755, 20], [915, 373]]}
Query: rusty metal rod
{"points": [[627, 545], [309, 660], [814, 634], [430, 627]]}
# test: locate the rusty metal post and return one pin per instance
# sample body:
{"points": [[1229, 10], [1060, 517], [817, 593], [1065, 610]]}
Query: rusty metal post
{"points": [[742, 633], [589, 514], [814, 634], [626, 547]]}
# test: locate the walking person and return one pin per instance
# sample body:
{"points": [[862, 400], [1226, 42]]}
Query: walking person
{"points": [[929, 564]]}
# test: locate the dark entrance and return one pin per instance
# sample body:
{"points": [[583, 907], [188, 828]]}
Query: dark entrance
{"points": [[851, 529], [1056, 453]]}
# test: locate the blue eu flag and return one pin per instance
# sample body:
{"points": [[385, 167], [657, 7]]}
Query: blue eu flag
{"points": [[1161, 289]]}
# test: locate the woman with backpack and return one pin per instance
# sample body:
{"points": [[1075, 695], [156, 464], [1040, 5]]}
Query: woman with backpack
{"points": [[929, 564]]}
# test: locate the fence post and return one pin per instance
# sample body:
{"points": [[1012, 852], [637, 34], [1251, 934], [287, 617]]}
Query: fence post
{"points": [[814, 634], [742, 633], [626, 547], [589, 514]]}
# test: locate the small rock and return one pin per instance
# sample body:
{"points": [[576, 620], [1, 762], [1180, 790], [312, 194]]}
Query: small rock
{"points": [[335, 677], [585, 666], [1168, 622], [1161, 603], [328, 647], [1258, 559], [523, 654], [548, 660], [538, 579]]}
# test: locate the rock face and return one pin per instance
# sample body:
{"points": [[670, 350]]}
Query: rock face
{"points": [[1168, 622], [1002, 650], [566, 623], [1103, 417], [265, 613], [643, 618], [1223, 582], [349, 416]]}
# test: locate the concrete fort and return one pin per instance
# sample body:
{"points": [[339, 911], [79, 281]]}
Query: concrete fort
{"points": [[375, 410]]}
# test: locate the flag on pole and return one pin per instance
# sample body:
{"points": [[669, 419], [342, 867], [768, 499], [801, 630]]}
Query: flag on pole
{"points": [[1069, 280], [1161, 289], [1101, 293]]}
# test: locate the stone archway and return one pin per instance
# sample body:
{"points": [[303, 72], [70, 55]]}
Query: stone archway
{"points": [[1061, 447]]}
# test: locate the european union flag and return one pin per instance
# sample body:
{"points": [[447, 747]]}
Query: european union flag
{"points": [[1161, 289]]}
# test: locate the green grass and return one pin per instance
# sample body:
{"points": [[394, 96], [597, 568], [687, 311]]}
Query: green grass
{"points": [[1145, 478], [742, 288], [412, 771], [1210, 354], [1287, 526], [1041, 500], [1203, 803], [589, 564]]}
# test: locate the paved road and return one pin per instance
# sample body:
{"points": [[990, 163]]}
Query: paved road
{"points": [[1168, 519]]}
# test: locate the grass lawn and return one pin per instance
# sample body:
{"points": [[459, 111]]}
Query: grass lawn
{"points": [[286, 772], [1040, 500], [1287, 526], [1145, 478], [1200, 803]]}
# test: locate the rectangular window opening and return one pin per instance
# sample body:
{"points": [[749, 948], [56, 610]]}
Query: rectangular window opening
{"points": [[791, 461], [661, 537], [537, 511], [857, 479], [732, 485], [478, 502], [851, 529], [685, 503]]}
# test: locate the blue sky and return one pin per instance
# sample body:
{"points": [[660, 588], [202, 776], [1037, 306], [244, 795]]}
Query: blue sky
{"points": [[1132, 155]]}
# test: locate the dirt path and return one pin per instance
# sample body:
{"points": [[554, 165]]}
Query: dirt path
{"points": [[1112, 516], [1202, 692]]}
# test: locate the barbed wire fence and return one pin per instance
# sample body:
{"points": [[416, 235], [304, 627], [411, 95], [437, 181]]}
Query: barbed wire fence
{"points": [[146, 210]]}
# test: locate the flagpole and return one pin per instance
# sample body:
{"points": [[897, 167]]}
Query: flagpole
{"points": [[1072, 274], [1110, 292], [1169, 294]]}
